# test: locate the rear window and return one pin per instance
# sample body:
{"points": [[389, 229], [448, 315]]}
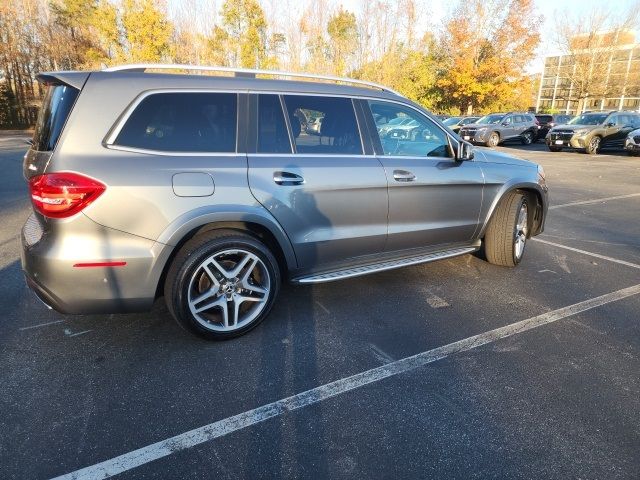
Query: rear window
{"points": [[544, 118], [56, 106], [182, 122], [324, 125]]}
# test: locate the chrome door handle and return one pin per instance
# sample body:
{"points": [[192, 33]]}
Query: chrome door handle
{"points": [[403, 176], [287, 178]]}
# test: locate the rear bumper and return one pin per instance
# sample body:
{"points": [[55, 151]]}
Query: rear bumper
{"points": [[50, 265]]}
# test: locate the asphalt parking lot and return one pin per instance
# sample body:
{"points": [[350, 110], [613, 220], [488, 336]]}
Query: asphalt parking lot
{"points": [[518, 373]]}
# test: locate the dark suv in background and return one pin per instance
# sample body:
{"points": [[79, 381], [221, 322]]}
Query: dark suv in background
{"points": [[592, 131], [496, 128], [546, 122]]}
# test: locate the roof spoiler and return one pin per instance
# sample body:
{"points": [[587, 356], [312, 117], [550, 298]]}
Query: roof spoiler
{"points": [[71, 79]]}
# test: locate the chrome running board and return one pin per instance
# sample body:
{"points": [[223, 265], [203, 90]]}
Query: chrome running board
{"points": [[381, 267]]}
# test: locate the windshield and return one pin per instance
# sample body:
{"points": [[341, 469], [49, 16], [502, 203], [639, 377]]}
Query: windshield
{"points": [[589, 119], [494, 118], [452, 121]]}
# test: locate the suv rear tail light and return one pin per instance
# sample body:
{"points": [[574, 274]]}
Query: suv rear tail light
{"points": [[61, 195]]}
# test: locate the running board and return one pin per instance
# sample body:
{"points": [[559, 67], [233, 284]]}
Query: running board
{"points": [[381, 267]]}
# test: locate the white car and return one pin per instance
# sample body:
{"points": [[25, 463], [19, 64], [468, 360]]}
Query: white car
{"points": [[632, 143]]}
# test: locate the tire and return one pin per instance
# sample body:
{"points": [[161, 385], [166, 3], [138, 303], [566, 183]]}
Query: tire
{"points": [[527, 138], [555, 149], [214, 272], [506, 235], [494, 139], [593, 147]]}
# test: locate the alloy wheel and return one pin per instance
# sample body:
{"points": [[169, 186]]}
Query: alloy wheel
{"points": [[228, 290], [521, 231]]}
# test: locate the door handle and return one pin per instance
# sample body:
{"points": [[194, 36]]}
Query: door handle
{"points": [[287, 178], [403, 176]]}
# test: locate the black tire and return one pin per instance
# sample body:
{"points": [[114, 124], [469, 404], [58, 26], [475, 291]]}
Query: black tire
{"points": [[554, 149], [493, 140], [500, 237], [188, 261], [593, 146], [527, 138]]}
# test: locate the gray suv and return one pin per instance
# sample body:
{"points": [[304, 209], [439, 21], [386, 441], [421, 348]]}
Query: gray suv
{"points": [[496, 128], [209, 190]]}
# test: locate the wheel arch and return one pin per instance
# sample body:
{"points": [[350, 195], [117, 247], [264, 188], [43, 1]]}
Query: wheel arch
{"points": [[536, 196], [256, 224]]}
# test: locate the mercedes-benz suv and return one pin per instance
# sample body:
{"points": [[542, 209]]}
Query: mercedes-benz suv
{"points": [[209, 191]]}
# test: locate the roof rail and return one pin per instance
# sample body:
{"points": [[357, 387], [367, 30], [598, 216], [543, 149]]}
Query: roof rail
{"points": [[142, 67]]}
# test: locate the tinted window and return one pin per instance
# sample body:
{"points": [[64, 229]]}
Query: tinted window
{"points": [[323, 125], [56, 106], [183, 122], [415, 135], [544, 118], [272, 129]]}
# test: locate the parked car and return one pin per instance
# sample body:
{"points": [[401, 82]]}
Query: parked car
{"points": [[496, 128], [207, 190], [455, 123], [546, 122], [592, 131], [632, 143]]}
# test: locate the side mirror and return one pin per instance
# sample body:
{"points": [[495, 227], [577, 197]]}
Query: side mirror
{"points": [[465, 151], [609, 124], [504, 124]]}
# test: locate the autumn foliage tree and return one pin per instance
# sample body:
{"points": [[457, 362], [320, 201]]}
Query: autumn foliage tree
{"points": [[485, 48], [475, 63]]}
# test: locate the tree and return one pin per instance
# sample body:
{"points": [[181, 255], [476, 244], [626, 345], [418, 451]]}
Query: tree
{"points": [[343, 35], [146, 30], [485, 48], [587, 70], [245, 29]]}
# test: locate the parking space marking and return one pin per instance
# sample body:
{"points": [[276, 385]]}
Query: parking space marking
{"points": [[41, 325], [197, 436], [584, 252], [597, 200]]}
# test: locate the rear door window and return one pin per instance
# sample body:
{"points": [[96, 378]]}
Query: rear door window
{"points": [[56, 106], [272, 129], [182, 122], [323, 125]]}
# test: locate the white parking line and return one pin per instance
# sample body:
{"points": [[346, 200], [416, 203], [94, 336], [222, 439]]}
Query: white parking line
{"points": [[184, 441], [597, 200], [584, 252], [40, 325]]}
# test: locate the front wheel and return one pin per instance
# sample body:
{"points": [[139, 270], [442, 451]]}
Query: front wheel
{"points": [[593, 147], [506, 235], [222, 284], [494, 140]]}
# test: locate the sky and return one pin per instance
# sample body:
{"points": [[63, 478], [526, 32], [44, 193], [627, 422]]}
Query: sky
{"points": [[435, 11]]}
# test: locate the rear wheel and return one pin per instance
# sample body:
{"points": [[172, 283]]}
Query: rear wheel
{"points": [[593, 147], [506, 236], [527, 138], [555, 149], [222, 284]]}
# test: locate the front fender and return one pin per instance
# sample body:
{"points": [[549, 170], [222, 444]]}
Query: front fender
{"points": [[495, 192]]}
